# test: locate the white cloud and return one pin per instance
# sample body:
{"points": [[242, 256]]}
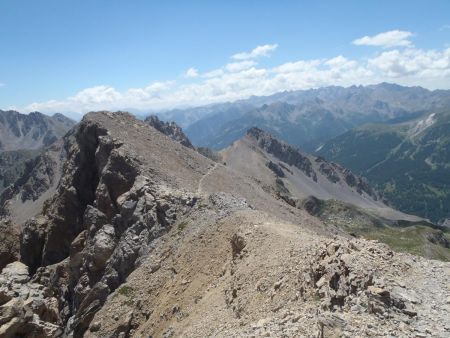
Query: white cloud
{"points": [[255, 53], [341, 62], [241, 79], [297, 66], [99, 94], [191, 72], [413, 62], [395, 38], [213, 73], [152, 91], [238, 66]]}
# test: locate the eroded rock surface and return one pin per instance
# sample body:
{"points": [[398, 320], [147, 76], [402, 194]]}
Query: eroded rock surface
{"points": [[27, 308]]}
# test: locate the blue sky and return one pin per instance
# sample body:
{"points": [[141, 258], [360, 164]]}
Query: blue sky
{"points": [[84, 55]]}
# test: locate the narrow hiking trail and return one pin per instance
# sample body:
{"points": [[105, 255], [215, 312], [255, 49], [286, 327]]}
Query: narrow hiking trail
{"points": [[209, 172]]}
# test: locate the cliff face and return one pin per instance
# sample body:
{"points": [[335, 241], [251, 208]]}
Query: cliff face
{"points": [[142, 236], [102, 217]]}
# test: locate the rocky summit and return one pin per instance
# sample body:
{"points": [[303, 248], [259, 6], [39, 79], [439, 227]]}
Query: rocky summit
{"points": [[126, 231]]}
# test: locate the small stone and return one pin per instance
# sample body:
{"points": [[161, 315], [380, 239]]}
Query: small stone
{"points": [[277, 285], [95, 327], [321, 282], [261, 323], [409, 311]]}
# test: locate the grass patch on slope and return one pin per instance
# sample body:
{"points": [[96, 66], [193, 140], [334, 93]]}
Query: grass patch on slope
{"points": [[415, 238]]}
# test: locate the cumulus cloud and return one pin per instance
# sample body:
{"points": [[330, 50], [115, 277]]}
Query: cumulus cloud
{"points": [[259, 51], [106, 97], [191, 72], [341, 62], [244, 77], [394, 38], [413, 62]]}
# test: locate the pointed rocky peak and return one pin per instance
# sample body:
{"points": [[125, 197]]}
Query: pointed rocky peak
{"points": [[63, 119], [267, 141], [281, 150], [256, 133], [170, 129]]}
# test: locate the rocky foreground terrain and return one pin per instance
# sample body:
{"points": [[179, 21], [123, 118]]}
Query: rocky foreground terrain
{"points": [[127, 233]]}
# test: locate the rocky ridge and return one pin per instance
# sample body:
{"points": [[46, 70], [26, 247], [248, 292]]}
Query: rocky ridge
{"points": [[310, 164], [306, 286]]}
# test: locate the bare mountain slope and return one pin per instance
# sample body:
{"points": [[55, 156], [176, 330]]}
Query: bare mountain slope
{"points": [[146, 237]]}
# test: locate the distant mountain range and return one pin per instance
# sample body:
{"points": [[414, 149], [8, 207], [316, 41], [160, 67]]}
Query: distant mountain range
{"points": [[307, 118], [31, 131]]}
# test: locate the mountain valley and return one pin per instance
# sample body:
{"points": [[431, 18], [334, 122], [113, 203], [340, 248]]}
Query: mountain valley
{"points": [[404, 161]]}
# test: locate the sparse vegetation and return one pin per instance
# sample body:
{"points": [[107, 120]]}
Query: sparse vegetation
{"points": [[181, 226], [125, 291]]}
